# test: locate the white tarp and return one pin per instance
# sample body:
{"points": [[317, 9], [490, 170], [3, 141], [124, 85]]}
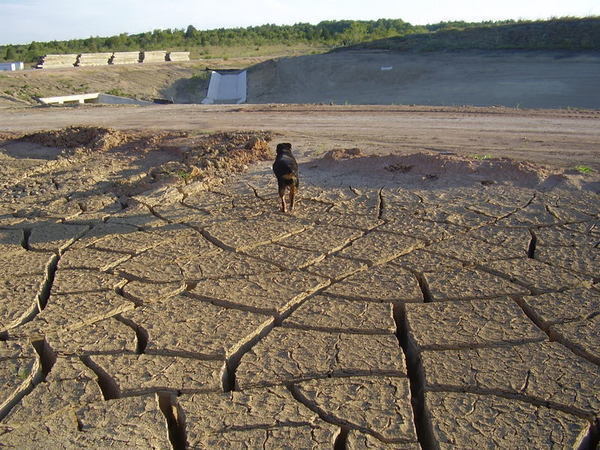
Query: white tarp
{"points": [[226, 87]]}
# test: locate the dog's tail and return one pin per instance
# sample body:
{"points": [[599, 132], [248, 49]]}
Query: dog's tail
{"points": [[290, 179]]}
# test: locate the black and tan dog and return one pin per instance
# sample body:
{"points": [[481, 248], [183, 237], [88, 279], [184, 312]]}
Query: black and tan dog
{"points": [[286, 171]]}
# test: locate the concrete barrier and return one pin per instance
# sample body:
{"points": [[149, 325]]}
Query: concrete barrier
{"points": [[101, 59], [93, 59], [154, 56], [54, 61], [178, 56], [95, 97], [12, 66], [125, 58], [226, 87], [78, 98]]}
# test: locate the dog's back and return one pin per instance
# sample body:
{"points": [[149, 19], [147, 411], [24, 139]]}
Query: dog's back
{"points": [[285, 166]]}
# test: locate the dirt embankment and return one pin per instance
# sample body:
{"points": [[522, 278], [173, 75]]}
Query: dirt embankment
{"points": [[138, 81], [181, 82], [78, 163], [439, 171], [540, 79], [564, 138], [528, 79]]}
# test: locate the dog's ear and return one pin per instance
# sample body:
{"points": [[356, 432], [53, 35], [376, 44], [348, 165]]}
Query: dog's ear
{"points": [[283, 146]]}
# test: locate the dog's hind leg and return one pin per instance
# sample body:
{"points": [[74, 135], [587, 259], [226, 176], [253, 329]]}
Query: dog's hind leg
{"points": [[282, 198], [292, 194]]}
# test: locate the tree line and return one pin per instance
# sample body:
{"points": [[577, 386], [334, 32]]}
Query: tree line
{"points": [[329, 33], [569, 34]]}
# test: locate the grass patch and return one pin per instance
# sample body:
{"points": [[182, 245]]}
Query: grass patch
{"points": [[249, 51], [481, 157], [201, 76], [584, 169], [187, 176], [23, 373], [117, 92]]}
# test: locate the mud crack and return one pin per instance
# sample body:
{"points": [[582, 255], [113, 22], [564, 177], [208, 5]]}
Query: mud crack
{"points": [[168, 405], [532, 244], [108, 386], [141, 334], [414, 371]]}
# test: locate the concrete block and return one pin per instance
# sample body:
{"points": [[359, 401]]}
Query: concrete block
{"points": [[56, 61], [93, 59], [125, 58], [153, 56], [178, 56]]}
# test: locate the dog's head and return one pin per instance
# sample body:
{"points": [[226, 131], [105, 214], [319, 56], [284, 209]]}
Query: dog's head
{"points": [[284, 147]]}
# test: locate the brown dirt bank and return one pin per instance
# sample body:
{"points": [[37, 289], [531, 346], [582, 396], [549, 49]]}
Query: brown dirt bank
{"points": [[118, 163], [550, 137]]}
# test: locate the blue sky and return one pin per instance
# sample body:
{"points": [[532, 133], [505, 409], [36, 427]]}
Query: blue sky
{"points": [[23, 21]]}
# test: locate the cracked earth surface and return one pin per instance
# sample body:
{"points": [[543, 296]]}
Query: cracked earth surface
{"points": [[396, 312]]}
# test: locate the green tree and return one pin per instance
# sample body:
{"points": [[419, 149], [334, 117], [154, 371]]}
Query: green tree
{"points": [[354, 34], [191, 32], [11, 55]]}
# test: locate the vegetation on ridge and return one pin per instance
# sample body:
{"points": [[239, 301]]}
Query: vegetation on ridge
{"points": [[558, 34], [566, 33]]}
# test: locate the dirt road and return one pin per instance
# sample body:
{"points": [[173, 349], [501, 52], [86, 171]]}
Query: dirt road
{"points": [[553, 137]]}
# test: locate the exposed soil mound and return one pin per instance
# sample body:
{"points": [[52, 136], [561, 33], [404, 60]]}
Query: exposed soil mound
{"points": [[244, 147], [493, 168], [94, 138], [130, 163], [343, 153], [214, 157], [442, 169]]}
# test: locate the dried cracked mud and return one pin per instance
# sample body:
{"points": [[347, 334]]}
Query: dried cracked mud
{"points": [[158, 299]]}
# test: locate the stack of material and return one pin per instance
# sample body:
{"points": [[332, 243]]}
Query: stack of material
{"points": [[12, 66], [125, 58], [93, 59], [178, 56], [154, 56], [53, 61]]}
